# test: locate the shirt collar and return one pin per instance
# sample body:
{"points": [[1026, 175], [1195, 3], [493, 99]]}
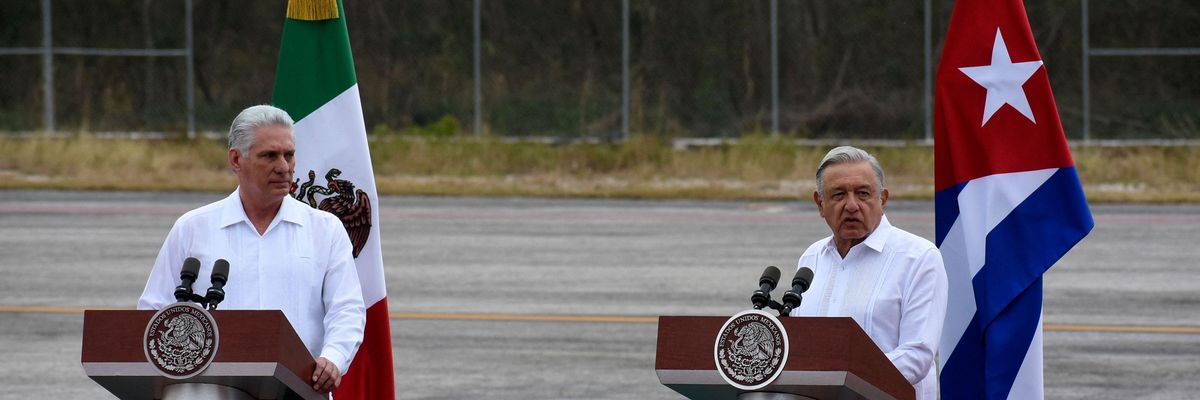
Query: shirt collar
{"points": [[879, 237], [292, 211], [233, 212], [875, 241]]}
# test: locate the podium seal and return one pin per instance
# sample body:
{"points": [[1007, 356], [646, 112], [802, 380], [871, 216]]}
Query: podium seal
{"points": [[180, 340], [751, 349]]}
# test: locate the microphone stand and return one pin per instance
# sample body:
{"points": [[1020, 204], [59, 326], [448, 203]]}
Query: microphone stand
{"points": [[195, 298], [782, 309]]}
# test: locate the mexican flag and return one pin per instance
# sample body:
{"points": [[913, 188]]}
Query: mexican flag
{"points": [[316, 84]]}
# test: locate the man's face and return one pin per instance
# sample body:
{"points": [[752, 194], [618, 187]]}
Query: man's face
{"points": [[266, 172], [852, 204]]}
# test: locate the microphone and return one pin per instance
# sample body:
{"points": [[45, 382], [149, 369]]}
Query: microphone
{"points": [[220, 275], [762, 297], [800, 282], [183, 292]]}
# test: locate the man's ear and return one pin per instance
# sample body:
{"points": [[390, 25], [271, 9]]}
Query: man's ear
{"points": [[883, 197], [817, 201], [235, 160]]}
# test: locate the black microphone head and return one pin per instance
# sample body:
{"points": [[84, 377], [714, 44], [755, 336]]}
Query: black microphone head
{"points": [[770, 276], [191, 267], [803, 278], [220, 272], [187, 276]]}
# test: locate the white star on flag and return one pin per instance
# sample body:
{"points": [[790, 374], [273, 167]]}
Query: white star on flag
{"points": [[1003, 80]]}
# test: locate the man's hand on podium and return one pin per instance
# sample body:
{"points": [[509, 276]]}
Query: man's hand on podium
{"points": [[326, 376]]}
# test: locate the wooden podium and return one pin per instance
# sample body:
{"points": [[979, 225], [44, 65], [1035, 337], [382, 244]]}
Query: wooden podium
{"points": [[830, 358], [259, 356]]}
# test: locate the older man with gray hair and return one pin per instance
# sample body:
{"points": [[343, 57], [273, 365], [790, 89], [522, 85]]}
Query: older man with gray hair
{"points": [[890, 281], [282, 254]]}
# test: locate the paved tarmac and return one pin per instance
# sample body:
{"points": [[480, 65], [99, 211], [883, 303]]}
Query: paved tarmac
{"points": [[459, 269]]}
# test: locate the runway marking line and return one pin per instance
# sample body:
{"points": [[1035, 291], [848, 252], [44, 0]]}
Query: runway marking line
{"points": [[625, 319], [1122, 328], [526, 317]]}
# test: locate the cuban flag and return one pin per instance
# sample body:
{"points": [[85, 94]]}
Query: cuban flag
{"points": [[1008, 200]]}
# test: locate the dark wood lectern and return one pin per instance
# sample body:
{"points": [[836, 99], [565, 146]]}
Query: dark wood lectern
{"points": [[259, 356], [830, 358]]}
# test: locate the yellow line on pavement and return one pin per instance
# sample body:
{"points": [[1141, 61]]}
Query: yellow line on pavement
{"points": [[628, 319], [526, 317], [50, 309], [1123, 328]]}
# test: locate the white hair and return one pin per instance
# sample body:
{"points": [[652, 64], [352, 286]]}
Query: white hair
{"points": [[847, 154], [241, 132]]}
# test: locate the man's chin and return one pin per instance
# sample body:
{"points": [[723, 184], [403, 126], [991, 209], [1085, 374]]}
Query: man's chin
{"points": [[853, 234], [280, 190]]}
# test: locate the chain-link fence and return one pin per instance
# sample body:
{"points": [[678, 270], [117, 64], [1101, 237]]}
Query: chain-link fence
{"points": [[852, 69]]}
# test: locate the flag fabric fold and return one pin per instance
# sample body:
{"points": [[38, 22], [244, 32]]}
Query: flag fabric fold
{"points": [[316, 84], [1009, 203]]}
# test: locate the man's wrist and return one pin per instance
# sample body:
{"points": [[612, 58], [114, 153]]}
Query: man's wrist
{"points": [[337, 359]]}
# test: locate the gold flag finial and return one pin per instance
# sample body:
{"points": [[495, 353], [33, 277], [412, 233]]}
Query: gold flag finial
{"points": [[312, 10]]}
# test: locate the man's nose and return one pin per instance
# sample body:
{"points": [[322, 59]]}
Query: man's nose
{"points": [[853, 205]]}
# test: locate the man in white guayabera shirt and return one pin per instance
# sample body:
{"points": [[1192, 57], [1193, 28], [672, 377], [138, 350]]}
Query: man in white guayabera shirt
{"points": [[283, 254], [889, 281]]}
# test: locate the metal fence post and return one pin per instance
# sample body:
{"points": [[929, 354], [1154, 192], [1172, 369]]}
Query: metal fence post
{"points": [[774, 67], [1087, 106], [191, 71], [47, 68], [477, 50], [624, 69], [928, 71]]}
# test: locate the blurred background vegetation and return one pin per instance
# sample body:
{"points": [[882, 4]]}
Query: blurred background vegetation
{"points": [[755, 167], [850, 70], [700, 68]]}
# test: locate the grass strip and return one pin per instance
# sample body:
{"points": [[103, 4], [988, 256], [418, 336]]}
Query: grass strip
{"points": [[755, 168]]}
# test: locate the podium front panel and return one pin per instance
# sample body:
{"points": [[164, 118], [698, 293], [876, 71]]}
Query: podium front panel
{"points": [[830, 358], [259, 354]]}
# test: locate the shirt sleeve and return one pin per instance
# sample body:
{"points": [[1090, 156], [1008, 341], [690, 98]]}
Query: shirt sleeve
{"points": [[922, 316], [164, 275], [345, 314]]}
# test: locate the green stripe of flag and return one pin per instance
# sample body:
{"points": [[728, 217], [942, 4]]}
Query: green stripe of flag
{"points": [[315, 64]]}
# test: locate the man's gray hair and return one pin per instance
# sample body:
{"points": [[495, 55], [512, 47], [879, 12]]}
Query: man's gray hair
{"points": [[241, 132], [848, 154]]}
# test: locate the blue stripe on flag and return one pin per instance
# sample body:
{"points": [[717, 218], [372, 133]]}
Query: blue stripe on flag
{"points": [[984, 366], [945, 204], [963, 375], [1008, 288], [1029, 240]]}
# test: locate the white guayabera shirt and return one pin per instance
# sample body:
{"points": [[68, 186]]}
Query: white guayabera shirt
{"points": [[301, 265], [894, 285]]}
